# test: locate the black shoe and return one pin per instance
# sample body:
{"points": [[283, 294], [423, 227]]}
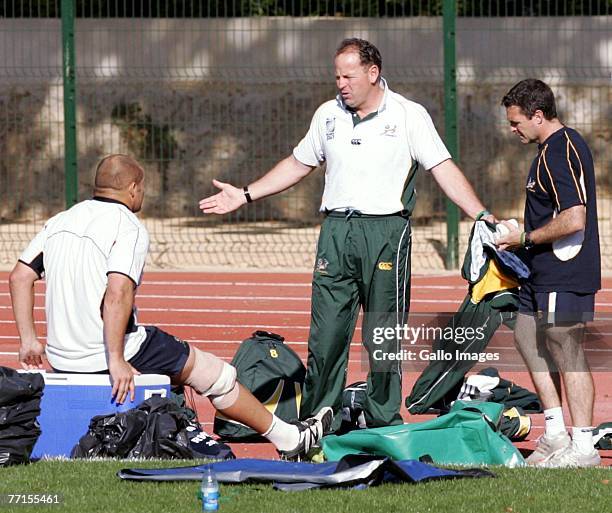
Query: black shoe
{"points": [[203, 445], [311, 431]]}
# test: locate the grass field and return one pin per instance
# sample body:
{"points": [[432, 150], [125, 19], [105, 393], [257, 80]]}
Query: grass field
{"points": [[214, 312], [87, 486]]}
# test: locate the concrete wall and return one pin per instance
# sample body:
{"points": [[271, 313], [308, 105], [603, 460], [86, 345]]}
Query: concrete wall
{"points": [[276, 48], [227, 98]]}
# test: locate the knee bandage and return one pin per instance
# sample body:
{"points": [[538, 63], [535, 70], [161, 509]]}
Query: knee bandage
{"points": [[212, 377]]}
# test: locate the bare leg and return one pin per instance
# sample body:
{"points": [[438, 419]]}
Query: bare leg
{"points": [[531, 343], [210, 376], [565, 345], [248, 410]]}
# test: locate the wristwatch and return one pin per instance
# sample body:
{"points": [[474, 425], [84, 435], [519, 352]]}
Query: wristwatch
{"points": [[528, 244]]}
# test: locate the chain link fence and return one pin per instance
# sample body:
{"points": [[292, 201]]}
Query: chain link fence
{"points": [[199, 90]]}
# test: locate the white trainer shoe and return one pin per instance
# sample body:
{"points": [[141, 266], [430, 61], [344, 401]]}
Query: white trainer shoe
{"points": [[571, 458], [311, 431], [547, 446]]}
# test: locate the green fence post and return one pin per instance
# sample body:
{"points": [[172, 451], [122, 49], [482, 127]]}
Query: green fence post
{"points": [[69, 86], [449, 13]]}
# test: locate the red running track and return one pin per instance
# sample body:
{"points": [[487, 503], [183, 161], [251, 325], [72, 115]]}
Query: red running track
{"points": [[215, 311]]}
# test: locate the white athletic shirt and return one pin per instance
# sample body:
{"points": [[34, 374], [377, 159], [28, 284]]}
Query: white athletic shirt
{"points": [[368, 164], [79, 247]]}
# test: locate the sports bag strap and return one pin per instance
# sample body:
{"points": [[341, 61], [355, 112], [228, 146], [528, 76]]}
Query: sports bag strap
{"points": [[268, 334]]}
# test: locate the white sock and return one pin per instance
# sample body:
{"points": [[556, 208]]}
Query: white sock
{"points": [[553, 418], [582, 437], [283, 435]]}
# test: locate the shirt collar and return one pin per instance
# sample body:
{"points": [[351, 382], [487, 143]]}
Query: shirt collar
{"points": [[552, 136], [383, 103], [109, 200]]}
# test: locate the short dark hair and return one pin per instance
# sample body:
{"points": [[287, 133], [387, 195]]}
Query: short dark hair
{"points": [[530, 95], [368, 53]]}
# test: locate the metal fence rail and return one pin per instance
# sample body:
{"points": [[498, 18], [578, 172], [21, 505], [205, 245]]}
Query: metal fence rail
{"points": [[202, 89]]}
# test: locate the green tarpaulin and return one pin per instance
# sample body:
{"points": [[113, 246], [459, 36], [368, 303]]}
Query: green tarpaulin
{"points": [[467, 435]]}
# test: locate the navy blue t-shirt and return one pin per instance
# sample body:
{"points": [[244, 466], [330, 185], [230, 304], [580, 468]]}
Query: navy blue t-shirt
{"points": [[562, 176]]}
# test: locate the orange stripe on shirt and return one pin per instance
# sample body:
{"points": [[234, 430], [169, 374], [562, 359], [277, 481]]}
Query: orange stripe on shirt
{"points": [[581, 191], [538, 175], [552, 183]]}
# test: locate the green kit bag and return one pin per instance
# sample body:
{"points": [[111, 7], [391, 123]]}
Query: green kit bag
{"points": [[467, 435], [274, 373]]}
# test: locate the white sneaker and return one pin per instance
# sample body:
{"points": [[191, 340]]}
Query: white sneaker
{"points": [[311, 431], [547, 446], [570, 457]]}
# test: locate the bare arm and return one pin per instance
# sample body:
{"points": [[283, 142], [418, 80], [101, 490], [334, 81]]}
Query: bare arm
{"points": [[285, 174], [21, 282], [569, 221], [117, 309], [455, 185]]}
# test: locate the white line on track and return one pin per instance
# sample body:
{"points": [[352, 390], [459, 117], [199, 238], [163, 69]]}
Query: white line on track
{"points": [[514, 366], [203, 310], [416, 280], [202, 325], [282, 298], [253, 298], [354, 345], [200, 310], [255, 324], [255, 284]]}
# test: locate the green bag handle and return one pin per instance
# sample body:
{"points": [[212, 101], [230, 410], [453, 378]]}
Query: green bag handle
{"points": [[268, 334]]}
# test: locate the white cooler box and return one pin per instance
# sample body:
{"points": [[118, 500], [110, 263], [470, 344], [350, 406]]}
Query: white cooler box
{"points": [[70, 401]]}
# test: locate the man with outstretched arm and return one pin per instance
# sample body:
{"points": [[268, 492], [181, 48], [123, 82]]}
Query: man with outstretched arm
{"points": [[372, 141], [92, 257], [562, 242]]}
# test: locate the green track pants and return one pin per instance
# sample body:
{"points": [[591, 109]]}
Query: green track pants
{"points": [[361, 261]]}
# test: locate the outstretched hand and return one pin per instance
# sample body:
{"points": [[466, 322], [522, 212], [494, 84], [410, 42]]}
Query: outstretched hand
{"points": [[229, 199]]}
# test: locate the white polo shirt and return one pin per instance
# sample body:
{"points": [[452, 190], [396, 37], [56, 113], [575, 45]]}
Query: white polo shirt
{"points": [[368, 164], [76, 250]]}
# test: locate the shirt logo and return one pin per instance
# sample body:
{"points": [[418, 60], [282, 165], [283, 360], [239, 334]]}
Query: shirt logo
{"points": [[321, 265], [390, 131], [385, 266], [530, 185], [330, 128], [356, 142]]}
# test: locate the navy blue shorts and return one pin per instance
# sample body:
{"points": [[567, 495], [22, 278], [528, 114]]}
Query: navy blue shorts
{"points": [[160, 353], [556, 307]]}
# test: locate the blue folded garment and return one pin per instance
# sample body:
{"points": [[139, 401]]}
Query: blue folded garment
{"points": [[352, 471]]}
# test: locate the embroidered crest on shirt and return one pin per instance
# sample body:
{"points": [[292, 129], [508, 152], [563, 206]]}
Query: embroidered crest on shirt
{"points": [[390, 131], [330, 128], [530, 185], [321, 265]]}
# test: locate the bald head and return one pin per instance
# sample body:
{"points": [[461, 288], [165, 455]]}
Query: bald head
{"points": [[120, 177], [117, 172]]}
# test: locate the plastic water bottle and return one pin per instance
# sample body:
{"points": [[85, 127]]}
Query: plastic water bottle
{"points": [[210, 490]]}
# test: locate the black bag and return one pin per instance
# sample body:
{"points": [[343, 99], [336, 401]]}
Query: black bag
{"points": [[510, 394], [158, 428], [602, 436], [353, 401], [20, 395], [274, 374]]}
